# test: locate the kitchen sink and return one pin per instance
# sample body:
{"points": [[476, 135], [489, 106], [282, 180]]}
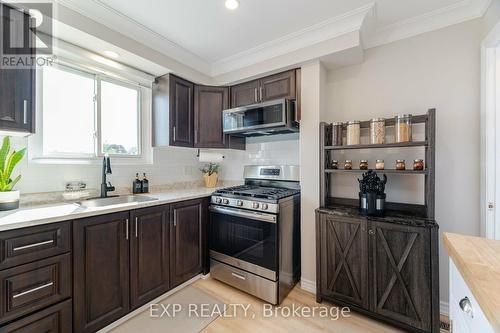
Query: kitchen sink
{"points": [[102, 202]]}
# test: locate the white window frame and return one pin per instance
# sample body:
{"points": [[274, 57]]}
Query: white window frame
{"points": [[35, 150]]}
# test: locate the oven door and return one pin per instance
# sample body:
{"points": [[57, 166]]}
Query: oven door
{"points": [[244, 239], [267, 115]]}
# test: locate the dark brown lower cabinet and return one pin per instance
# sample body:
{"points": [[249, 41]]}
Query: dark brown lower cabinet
{"points": [[149, 254], [101, 271], [187, 240], [55, 319], [383, 267]]}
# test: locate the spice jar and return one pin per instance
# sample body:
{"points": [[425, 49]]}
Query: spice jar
{"points": [[348, 165], [334, 164], [418, 165], [377, 131], [402, 128], [380, 165], [353, 132], [337, 134], [363, 165], [400, 165]]}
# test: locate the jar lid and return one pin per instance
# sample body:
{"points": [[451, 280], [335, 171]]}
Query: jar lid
{"points": [[337, 123], [348, 161], [418, 161], [353, 122], [380, 161], [400, 161], [403, 116], [376, 120], [363, 161], [335, 161]]}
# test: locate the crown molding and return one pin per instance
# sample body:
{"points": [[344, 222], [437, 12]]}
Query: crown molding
{"points": [[453, 14], [329, 29], [124, 24]]}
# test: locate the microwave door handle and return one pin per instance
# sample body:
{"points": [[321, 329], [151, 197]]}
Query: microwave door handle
{"points": [[246, 214]]}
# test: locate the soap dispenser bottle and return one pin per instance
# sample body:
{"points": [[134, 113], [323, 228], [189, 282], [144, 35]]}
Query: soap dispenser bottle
{"points": [[137, 185], [145, 184]]}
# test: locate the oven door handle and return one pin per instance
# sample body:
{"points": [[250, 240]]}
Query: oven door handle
{"points": [[243, 213]]}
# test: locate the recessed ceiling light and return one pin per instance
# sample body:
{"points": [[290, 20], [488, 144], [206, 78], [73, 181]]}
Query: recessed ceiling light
{"points": [[232, 4], [111, 54]]}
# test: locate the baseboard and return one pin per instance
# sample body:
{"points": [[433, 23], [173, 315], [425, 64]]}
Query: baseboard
{"points": [[134, 313], [308, 285]]}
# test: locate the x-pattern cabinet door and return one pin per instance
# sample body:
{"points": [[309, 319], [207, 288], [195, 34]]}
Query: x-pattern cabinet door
{"points": [[343, 259], [400, 273]]}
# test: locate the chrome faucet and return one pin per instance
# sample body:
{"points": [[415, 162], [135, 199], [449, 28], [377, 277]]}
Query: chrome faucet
{"points": [[106, 170]]}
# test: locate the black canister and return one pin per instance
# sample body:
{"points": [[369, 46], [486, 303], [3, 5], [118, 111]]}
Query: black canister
{"points": [[145, 184], [137, 185]]}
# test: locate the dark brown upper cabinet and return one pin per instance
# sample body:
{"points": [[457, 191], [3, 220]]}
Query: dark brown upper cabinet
{"points": [[17, 86], [149, 254], [181, 112], [100, 271], [282, 85], [208, 105], [187, 241]]}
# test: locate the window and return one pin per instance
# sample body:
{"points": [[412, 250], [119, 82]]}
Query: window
{"points": [[86, 115]]}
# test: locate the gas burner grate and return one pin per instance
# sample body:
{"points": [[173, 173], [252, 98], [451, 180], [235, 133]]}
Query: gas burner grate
{"points": [[259, 192]]}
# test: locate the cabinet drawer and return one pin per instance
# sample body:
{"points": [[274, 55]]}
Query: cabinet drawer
{"points": [[29, 287], [56, 319], [461, 320], [21, 246]]}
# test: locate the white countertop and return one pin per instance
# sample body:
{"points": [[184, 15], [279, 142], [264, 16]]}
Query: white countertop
{"points": [[44, 214]]}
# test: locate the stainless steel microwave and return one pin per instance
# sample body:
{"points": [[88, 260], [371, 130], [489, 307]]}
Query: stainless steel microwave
{"points": [[268, 118]]}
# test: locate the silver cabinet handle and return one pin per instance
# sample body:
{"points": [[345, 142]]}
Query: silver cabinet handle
{"points": [[466, 306], [19, 248], [25, 111], [241, 277], [33, 290], [173, 129], [256, 97], [371, 232], [261, 93], [126, 229], [136, 222], [175, 220]]}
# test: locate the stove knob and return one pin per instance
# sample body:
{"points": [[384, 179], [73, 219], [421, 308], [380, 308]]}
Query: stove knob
{"points": [[255, 205], [218, 200], [264, 206], [239, 203], [225, 201]]}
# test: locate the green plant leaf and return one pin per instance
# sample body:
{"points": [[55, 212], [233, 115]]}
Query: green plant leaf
{"points": [[3, 152], [13, 183], [12, 161]]}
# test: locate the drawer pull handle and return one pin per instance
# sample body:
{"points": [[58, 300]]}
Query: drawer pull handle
{"points": [[33, 290], [466, 306], [19, 248], [241, 277]]}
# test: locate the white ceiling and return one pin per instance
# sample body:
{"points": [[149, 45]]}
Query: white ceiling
{"points": [[207, 33]]}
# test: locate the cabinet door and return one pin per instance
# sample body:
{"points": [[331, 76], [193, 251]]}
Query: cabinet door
{"points": [[187, 241], [101, 270], [208, 105], [278, 86], [343, 259], [149, 254], [181, 112], [17, 86], [401, 277], [245, 94]]}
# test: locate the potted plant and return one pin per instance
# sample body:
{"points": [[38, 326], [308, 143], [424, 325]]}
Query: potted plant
{"points": [[210, 174], [9, 199]]}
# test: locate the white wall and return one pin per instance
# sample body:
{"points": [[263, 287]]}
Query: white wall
{"points": [[439, 69]]}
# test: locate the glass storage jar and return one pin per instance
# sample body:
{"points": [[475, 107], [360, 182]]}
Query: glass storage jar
{"points": [[400, 165], [353, 132], [377, 131], [337, 134], [418, 165], [380, 165], [348, 165], [402, 128], [334, 164], [363, 165]]}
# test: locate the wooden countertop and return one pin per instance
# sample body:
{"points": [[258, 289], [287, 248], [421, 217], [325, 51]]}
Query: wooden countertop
{"points": [[478, 260]]}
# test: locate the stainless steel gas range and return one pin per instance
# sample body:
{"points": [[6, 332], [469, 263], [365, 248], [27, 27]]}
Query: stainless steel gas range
{"points": [[255, 232]]}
